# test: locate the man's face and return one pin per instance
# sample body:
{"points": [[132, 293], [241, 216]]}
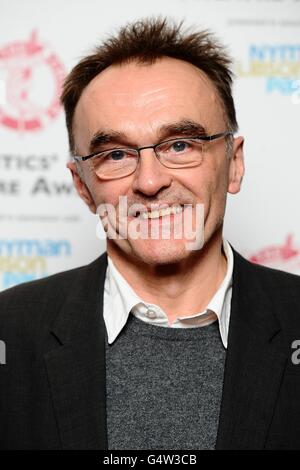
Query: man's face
{"points": [[137, 101]]}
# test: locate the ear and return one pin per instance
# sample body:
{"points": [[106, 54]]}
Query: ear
{"points": [[81, 188], [236, 166]]}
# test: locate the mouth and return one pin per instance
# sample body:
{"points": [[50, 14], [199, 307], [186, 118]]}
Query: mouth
{"points": [[159, 213]]}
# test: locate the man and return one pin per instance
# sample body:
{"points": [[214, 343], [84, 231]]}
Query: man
{"points": [[157, 344]]}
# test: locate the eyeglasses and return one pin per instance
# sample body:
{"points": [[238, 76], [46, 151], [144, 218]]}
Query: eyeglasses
{"points": [[173, 153]]}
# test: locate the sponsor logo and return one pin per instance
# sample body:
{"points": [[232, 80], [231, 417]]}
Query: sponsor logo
{"points": [[285, 256], [278, 64], [23, 260], [31, 76]]}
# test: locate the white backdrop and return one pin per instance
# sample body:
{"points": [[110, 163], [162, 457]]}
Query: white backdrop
{"points": [[45, 228]]}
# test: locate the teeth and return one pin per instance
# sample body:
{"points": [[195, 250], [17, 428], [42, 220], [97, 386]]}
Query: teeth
{"points": [[162, 212]]}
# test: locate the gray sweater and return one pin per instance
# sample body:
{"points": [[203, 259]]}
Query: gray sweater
{"points": [[164, 387]]}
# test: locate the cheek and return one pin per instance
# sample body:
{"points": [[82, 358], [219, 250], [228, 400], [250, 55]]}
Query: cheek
{"points": [[218, 193], [218, 173], [106, 192], [205, 181], [210, 187]]}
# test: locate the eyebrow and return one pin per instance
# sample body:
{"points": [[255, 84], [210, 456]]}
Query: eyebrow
{"points": [[183, 127]]}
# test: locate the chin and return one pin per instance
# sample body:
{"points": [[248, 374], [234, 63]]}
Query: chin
{"points": [[160, 251]]}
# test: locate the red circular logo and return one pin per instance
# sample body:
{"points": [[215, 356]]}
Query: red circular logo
{"points": [[32, 76]]}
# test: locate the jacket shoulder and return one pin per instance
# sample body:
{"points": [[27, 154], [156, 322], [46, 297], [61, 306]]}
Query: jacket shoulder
{"points": [[35, 304], [40, 290], [269, 275], [29, 310], [271, 289]]}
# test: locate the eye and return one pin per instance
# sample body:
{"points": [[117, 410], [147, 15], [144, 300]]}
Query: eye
{"points": [[180, 146], [116, 155]]}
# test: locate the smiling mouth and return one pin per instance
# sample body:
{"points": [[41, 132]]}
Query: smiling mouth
{"points": [[157, 213]]}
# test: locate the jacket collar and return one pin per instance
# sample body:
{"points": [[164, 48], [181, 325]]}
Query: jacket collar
{"points": [[83, 306]]}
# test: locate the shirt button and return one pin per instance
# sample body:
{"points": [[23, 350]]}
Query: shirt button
{"points": [[151, 313], [141, 308]]}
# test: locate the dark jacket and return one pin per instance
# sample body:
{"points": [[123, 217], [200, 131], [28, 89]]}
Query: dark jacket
{"points": [[52, 387]]}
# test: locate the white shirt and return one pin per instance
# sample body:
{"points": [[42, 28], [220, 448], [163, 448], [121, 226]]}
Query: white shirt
{"points": [[120, 299]]}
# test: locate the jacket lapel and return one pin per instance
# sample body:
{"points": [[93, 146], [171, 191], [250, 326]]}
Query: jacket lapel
{"points": [[76, 368], [254, 361]]}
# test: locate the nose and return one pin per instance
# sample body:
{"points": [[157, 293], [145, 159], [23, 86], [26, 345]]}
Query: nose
{"points": [[150, 175]]}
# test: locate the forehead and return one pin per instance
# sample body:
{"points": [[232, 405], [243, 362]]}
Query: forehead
{"points": [[135, 97]]}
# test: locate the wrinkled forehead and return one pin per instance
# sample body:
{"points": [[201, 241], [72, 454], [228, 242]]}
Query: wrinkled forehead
{"points": [[135, 95]]}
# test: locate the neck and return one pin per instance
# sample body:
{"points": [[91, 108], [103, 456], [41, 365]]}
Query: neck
{"points": [[180, 289]]}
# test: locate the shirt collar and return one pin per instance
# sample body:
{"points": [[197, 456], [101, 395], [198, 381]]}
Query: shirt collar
{"points": [[120, 299]]}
